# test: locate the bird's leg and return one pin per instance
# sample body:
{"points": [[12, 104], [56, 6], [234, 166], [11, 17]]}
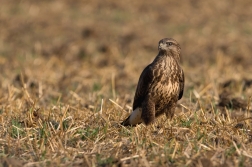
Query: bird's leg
{"points": [[161, 128], [169, 112], [148, 110]]}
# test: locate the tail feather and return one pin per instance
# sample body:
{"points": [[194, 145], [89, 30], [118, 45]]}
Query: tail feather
{"points": [[134, 118], [126, 122]]}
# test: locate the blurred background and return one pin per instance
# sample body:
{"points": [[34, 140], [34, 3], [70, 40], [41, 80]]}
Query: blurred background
{"points": [[81, 49], [69, 70]]}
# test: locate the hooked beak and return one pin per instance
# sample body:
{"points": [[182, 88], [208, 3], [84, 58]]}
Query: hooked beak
{"points": [[160, 46]]}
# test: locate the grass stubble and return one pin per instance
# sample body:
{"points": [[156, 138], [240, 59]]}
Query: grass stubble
{"points": [[202, 133], [61, 104]]}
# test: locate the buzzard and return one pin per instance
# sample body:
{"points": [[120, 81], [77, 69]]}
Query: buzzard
{"points": [[160, 86]]}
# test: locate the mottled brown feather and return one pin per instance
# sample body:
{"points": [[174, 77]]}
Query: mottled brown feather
{"points": [[145, 80], [161, 84], [148, 106]]}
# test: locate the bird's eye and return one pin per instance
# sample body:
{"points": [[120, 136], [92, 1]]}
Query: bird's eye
{"points": [[169, 43]]}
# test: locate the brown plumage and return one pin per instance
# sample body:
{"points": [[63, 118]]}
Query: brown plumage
{"points": [[160, 86]]}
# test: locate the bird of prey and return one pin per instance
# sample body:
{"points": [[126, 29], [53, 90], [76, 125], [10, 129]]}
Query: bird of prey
{"points": [[160, 86]]}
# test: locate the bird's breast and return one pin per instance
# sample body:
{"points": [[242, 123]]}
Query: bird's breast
{"points": [[166, 80]]}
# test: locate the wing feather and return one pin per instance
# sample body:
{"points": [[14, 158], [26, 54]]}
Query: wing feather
{"points": [[181, 84], [144, 83]]}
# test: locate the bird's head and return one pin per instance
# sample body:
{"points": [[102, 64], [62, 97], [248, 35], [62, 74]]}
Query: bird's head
{"points": [[170, 47]]}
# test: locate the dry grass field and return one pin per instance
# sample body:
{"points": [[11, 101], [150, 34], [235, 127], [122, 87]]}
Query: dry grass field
{"points": [[69, 70]]}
